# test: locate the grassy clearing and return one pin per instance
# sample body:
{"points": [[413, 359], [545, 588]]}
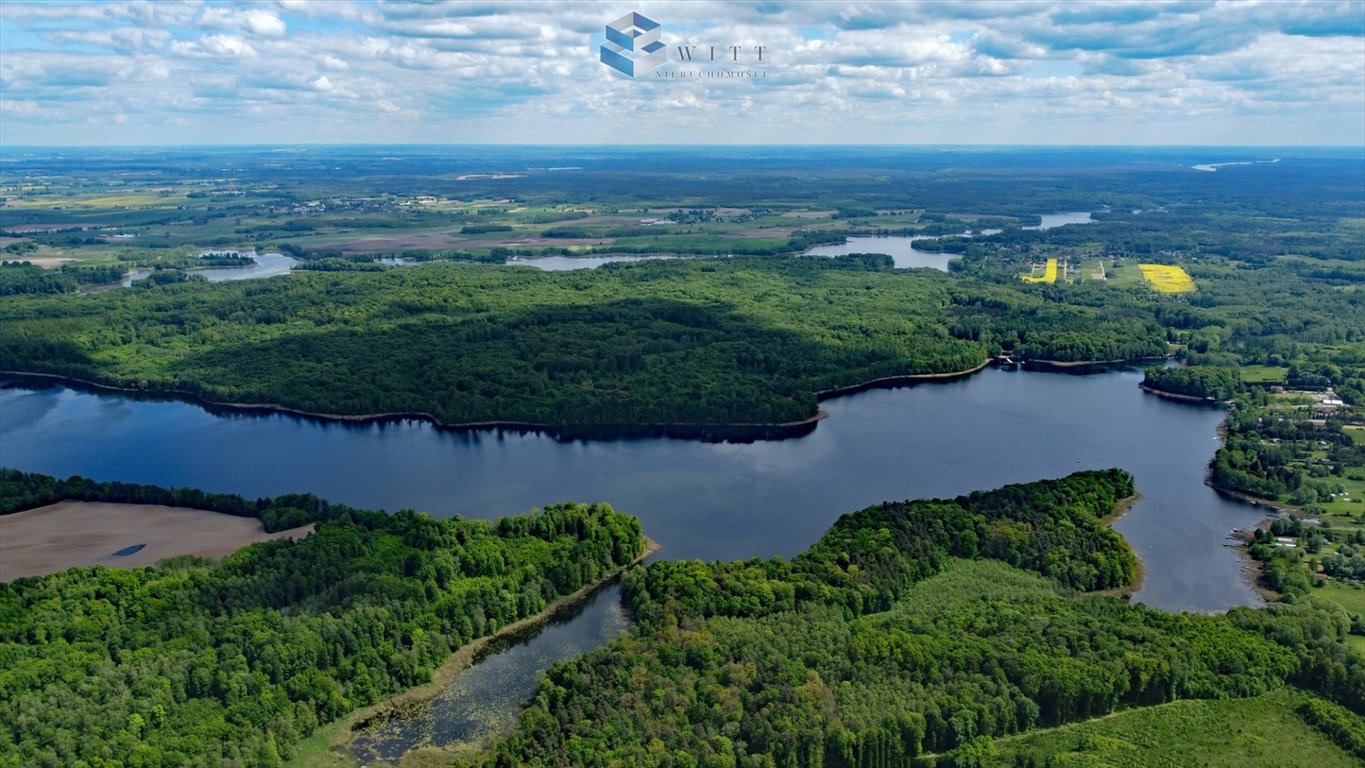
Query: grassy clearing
{"points": [[1357, 434], [1236, 733], [1166, 278], [1356, 643], [1349, 596], [1049, 274], [1264, 373], [1123, 274]]}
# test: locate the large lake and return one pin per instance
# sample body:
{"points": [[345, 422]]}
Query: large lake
{"points": [[698, 500]]}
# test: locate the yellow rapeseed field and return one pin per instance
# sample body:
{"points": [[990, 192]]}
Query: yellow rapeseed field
{"points": [[1166, 278], [1049, 274]]}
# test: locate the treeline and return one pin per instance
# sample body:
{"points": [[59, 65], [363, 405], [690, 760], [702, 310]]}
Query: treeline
{"points": [[94, 275], [687, 341], [335, 264], [1336, 723], [883, 643], [1202, 381], [20, 277], [1248, 464], [193, 663], [27, 490]]}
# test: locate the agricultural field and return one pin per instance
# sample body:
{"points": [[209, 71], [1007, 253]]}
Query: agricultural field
{"points": [[1049, 274], [1167, 278]]}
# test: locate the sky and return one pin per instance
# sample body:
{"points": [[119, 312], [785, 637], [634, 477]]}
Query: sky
{"points": [[1183, 72]]}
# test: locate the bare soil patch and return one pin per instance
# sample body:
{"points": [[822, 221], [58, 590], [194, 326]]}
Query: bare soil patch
{"points": [[72, 534]]}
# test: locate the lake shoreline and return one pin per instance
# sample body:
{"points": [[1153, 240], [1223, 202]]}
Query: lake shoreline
{"points": [[892, 382], [1193, 399], [707, 432], [742, 431], [1122, 507], [1067, 365]]}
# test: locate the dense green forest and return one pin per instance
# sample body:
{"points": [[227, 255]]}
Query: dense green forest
{"points": [[194, 663], [913, 628], [732, 341]]}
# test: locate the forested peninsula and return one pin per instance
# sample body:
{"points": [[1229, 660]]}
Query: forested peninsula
{"points": [[923, 628], [194, 662]]}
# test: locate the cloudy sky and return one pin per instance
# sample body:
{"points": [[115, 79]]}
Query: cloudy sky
{"points": [[973, 72]]}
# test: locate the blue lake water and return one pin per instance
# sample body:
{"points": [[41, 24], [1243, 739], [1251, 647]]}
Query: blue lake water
{"points": [[698, 500]]}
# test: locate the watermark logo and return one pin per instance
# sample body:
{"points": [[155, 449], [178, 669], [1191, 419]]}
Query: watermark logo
{"points": [[632, 46]]}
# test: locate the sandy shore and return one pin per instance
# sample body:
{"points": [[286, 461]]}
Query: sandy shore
{"points": [[1120, 509], [72, 534]]}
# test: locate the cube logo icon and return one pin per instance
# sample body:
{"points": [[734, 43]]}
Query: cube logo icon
{"points": [[632, 46]]}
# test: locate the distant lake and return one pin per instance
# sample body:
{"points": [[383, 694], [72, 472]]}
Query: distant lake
{"points": [[1051, 220], [905, 255], [901, 250], [266, 265], [567, 263]]}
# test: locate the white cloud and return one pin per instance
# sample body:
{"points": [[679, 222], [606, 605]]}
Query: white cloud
{"points": [[255, 21], [227, 45], [836, 71]]}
